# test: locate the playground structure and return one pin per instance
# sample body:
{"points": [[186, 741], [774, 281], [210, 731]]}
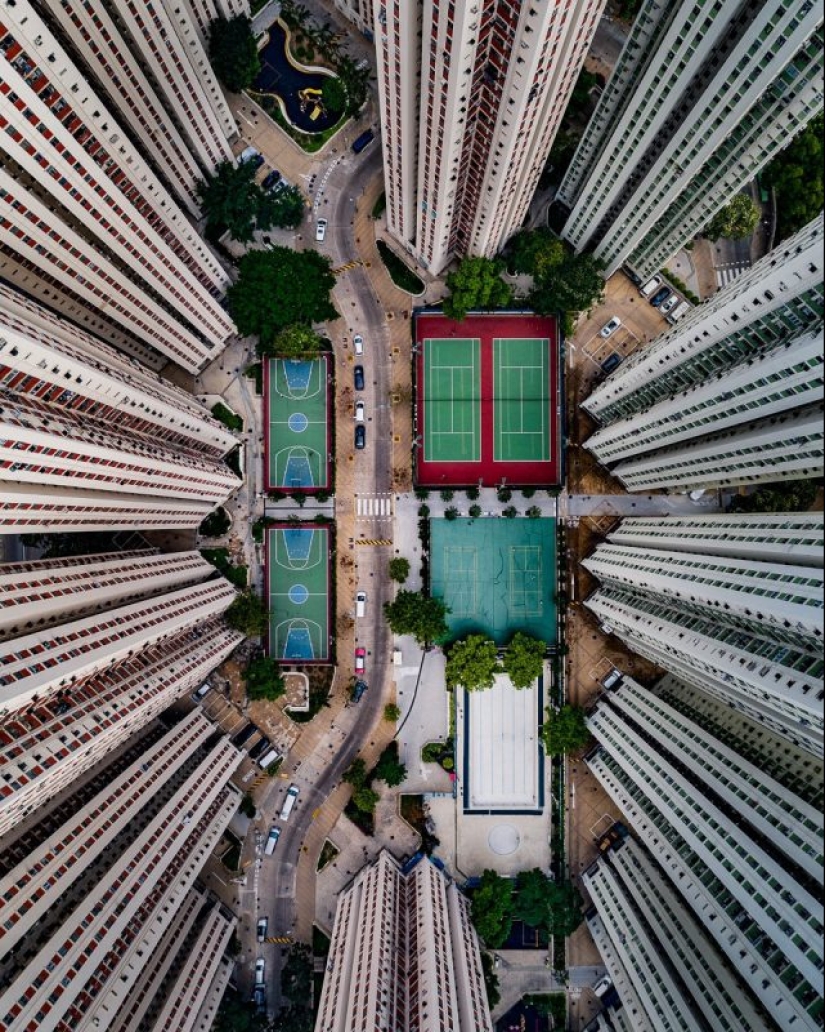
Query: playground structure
{"points": [[311, 98]]}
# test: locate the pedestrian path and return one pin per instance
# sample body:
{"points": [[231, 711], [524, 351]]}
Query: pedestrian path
{"points": [[374, 507], [726, 274]]}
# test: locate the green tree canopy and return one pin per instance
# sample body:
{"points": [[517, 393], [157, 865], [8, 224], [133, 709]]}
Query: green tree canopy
{"points": [[365, 799], [735, 221], [356, 773], [472, 663], [571, 286], [392, 713], [248, 806], [565, 907], [355, 81], [389, 768], [295, 341], [532, 898], [231, 199], [333, 94], [785, 496], [399, 569], [491, 909], [233, 52], [565, 730], [278, 288], [524, 660], [476, 284], [264, 679], [247, 614], [534, 252], [284, 208], [796, 177], [412, 612]]}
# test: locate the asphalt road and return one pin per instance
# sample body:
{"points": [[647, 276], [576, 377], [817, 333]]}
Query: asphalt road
{"points": [[339, 187]]}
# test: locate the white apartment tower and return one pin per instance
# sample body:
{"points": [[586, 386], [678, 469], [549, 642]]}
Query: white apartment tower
{"points": [[99, 896], [471, 95], [733, 394], [703, 95], [741, 852], [86, 223], [732, 604], [404, 955], [93, 440]]}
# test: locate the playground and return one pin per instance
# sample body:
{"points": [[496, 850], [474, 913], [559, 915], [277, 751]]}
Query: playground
{"points": [[297, 446], [488, 401], [297, 579], [497, 576]]}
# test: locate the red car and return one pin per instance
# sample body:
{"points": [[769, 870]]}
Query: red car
{"points": [[360, 659]]}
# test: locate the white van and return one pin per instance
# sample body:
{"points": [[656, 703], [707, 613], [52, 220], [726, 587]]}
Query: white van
{"points": [[272, 841], [681, 309], [268, 758], [360, 603], [199, 694], [260, 965], [612, 679], [650, 286], [289, 802]]}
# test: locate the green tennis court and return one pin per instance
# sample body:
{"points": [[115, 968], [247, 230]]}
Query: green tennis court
{"points": [[298, 584], [452, 416], [521, 388], [498, 576], [296, 400]]}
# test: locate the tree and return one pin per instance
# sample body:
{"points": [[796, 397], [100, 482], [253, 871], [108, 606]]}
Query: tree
{"points": [[399, 569], [796, 177], [247, 614], [492, 909], [216, 523], [786, 496], [564, 908], [295, 342], [736, 220], [355, 81], [533, 513], [278, 288], [565, 731], [474, 511], [356, 773], [533, 252], [572, 286], [264, 680], [234, 53], [532, 898], [392, 713], [333, 94], [472, 663], [231, 199], [451, 513], [412, 612], [524, 659], [476, 284], [248, 806], [285, 208], [365, 799], [389, 768]]}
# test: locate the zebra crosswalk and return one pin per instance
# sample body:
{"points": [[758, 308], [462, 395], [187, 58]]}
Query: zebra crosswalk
{"points": [[372, 507], [728, 273]]}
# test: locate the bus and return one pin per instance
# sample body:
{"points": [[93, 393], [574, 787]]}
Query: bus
{"points": [[289, 802]]}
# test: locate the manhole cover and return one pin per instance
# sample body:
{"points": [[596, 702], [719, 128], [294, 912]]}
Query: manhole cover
{"points": [[503, 839]]}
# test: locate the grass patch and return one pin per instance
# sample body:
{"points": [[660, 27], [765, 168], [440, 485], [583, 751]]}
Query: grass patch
{"points": [[309, 142], [380, 206], [233, 460], [219, 557], [329, 851], [256, 373], [230, 419], [399, 273]]}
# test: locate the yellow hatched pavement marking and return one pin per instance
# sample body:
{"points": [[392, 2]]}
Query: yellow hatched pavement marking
{"points": [[373, 541]]}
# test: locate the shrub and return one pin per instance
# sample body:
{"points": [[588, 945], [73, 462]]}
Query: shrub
{"points": [[475, 511], [392, 713], [510, 512], [446, 494], [399, 569], [451, 513], [534, 512], [423, 512], [216, 523], [504, 494], [229, 419], [401, 276], [472, 493], [421, 493]]}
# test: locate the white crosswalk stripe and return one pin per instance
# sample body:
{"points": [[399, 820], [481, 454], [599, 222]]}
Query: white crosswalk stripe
{"points": [[729, 274], [371, 507]]}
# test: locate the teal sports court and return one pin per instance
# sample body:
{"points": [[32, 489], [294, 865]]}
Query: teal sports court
{"points": [[297, 579], [296, 443], [497, 576]]}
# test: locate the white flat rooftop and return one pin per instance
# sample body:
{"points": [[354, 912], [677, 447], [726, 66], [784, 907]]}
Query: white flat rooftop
{"points": [[500, 749]]}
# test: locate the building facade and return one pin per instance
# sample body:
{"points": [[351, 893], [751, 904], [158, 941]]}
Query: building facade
{"points": [[747, 628], [86, 223], [471, 99], [404, 955], [701, 98], [743, 857]]}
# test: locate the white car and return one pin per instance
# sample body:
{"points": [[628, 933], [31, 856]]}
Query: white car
{"points": [[610, 327], [670, 304], [359, 412], [358, 345], [320, 229], [650, 286]]}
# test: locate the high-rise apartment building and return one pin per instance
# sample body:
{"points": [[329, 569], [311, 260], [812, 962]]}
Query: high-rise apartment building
{"points": [[86, 223], [471, 98], [360, 12], [404, 955], [703, 95], [742, 853], [101, 915], [726, 607], [733, 394], [91, 439]]}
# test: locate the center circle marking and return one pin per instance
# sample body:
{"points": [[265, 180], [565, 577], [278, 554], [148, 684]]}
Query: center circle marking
{"points": [[298, 594], [297, 422]]}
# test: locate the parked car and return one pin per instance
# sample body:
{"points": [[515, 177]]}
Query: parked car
{"points": [[252, 156], [271, 179], [660, 295], [360, 659], [272, 841], [263, 924], [358, 690], [260, 967], [359, 411], [360, 603], [611, 362], [651, 285], [358, 344], [320, 229], [365, 138], [669, 304], [610, 327], [360, 436], [358, 377], [259, 998], [679, 311]]}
